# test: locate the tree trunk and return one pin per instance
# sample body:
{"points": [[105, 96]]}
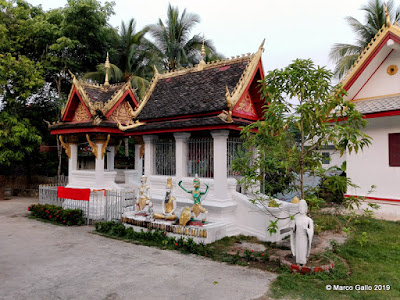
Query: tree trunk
{"points": [[302, 161]]}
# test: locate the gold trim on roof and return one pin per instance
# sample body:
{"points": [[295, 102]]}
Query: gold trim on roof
{"points": [[375, 97], [252, 59], [365, 54], [246, 76], [94, 105], [149, 91]]}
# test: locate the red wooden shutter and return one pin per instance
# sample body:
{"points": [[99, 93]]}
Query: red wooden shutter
{"points": [[394, 149]]}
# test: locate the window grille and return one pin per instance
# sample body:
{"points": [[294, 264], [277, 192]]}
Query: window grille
{"points": [[234, 147], [200, 157], [164, 158], [326, 158]]}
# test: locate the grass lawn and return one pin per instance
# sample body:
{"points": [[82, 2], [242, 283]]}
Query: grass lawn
{"points": [[373, 256]]}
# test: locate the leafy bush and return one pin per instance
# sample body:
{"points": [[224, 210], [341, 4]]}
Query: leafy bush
{"points": [[57, 214]]}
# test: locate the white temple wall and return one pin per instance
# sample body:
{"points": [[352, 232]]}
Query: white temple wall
{"points": [[381, 83], [371, 166]]}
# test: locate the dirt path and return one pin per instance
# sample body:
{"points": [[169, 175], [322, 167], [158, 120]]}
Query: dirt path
{"points": [[44, 261]]}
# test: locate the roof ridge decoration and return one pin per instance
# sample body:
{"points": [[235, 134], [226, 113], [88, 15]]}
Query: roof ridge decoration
{"points": [[84, 96], [149, 91], [367, 51], [234, 96], [246, 76]]}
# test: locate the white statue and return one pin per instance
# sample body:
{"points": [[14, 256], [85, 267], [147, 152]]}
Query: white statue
{"points": [[144, 206], [302, 234]]}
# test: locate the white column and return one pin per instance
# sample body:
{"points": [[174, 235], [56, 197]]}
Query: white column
{"points": [[138, 160], [149, 154], [181, 154], [73, 160], [99, 166], [110, 158], [220, 164]]}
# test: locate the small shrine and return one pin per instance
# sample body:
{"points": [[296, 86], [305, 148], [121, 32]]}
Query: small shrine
{"points": [[186, 128]]}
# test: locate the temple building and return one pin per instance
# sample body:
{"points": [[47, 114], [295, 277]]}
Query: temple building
{"points": [[187, 123], [373, 85]]}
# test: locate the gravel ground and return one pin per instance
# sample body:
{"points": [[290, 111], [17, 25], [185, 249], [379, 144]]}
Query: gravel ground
{"points": [[45, 261]]}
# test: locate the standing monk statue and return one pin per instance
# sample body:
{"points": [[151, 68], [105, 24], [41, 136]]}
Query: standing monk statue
{"points": [[302, 235], [197, 208]]}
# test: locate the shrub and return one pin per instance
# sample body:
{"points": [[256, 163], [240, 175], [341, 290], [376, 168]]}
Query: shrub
{"points": [[57, 214]]}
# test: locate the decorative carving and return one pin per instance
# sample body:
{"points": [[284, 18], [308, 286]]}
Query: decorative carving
{"points": [[226, 116], [246, 106], [92, 145], [130, 125], [387, 16], [104, 147], [392, 70], [66, 146], [117, 147], [142, 149], [81, 114], [123, 113]]}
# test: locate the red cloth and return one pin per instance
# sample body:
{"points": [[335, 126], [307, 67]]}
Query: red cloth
{"points": [[73, 194]]}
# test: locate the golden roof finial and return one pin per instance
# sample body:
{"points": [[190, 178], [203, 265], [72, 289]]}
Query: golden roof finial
{"points": [[387, 16], [202, 63], [203, 50], [106, 67]]}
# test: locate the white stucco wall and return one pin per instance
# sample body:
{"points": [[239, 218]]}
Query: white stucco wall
{"points": [[371, 166], [335, 158], [381, 83]]}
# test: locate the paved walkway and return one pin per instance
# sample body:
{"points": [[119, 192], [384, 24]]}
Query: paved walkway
{"points": [[44, 261]]}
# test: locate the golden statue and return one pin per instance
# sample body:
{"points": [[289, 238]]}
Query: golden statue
{"points": [[185, 216], [168, 209]]}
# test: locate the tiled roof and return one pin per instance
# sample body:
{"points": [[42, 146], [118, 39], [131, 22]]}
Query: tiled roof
{"points": [[98, 93], [193, 92], [376, 105], [67, 125], [186, 123]]}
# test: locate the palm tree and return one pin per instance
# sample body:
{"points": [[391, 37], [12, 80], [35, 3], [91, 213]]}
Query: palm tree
{"points": [[345, 55], [172, 39], [135, 58]]}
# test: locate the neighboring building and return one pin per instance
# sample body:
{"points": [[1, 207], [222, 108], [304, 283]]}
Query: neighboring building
{"points": [[373, 84]]}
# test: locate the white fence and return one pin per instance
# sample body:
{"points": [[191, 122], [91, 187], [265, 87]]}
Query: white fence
{"points": [[102, 205]]}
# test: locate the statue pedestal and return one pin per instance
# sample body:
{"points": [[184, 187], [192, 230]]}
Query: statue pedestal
{"points": [[204, 233]]}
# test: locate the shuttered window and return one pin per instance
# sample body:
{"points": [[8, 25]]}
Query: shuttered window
{"points": [[394, 149]]}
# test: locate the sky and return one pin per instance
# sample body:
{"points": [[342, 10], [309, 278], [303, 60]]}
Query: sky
{"points": [[292, 28]]}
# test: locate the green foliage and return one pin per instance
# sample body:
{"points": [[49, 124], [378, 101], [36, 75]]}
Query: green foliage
{"points": [[173, 42], [301, 96], [273, 227], [345, 55], [57, 214], [17, 139]]}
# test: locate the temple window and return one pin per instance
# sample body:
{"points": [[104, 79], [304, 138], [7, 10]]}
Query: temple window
{"points": [[234, 148], [200, 156], [394, 149], [326, 158], [164, 158]]}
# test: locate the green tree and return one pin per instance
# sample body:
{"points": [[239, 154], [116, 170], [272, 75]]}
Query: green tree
{"points": [[302, 95], [345, 55], [135, 57], [176, 47]]}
